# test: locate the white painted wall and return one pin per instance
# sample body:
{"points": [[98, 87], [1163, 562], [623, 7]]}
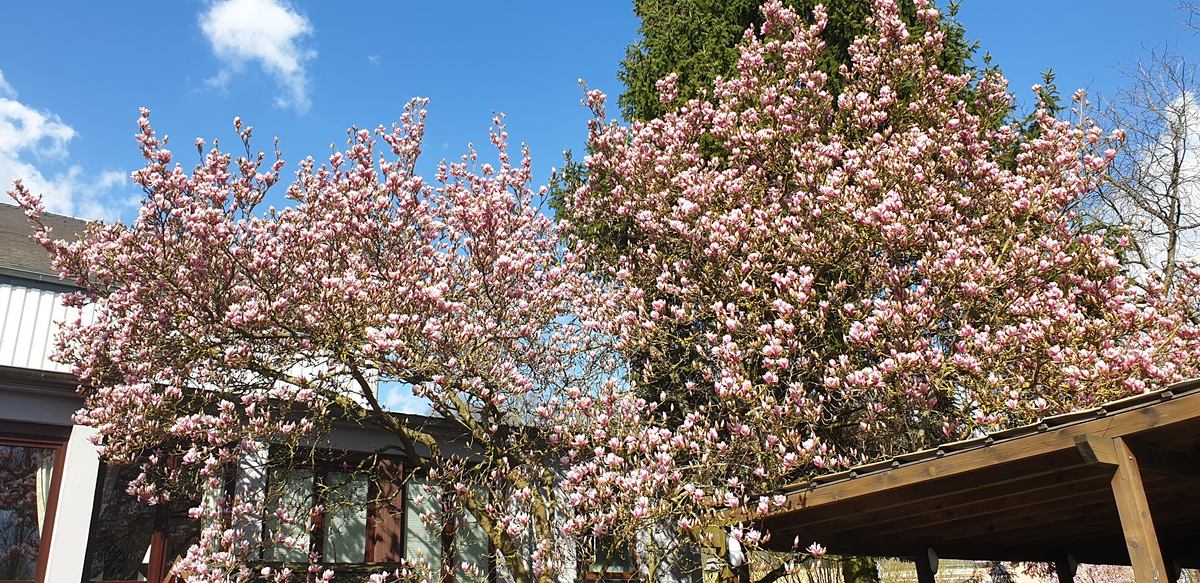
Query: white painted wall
{"points": [[72, 524]]}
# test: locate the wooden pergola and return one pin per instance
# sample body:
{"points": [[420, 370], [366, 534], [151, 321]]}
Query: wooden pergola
{"points": [[1118, 484]]}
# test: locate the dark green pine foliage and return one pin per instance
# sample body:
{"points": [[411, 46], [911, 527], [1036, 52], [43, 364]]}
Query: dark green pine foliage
{"points": [[697, 40]]}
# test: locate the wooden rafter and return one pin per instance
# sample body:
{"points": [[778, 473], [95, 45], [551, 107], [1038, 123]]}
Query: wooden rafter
{"points": [[1031, 493]]}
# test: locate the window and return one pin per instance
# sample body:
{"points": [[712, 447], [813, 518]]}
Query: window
{"points": [[456, 541], [336, 504], [328, 506], [610, 559], [334, 509], [31, 458], [422, 540], [472, 556], [27, 472], [132, 540]]}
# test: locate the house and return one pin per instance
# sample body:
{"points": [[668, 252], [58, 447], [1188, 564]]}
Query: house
{"points": [[65, 516]]}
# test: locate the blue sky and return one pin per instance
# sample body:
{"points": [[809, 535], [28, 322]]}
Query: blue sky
{"points": [[75, 73]]}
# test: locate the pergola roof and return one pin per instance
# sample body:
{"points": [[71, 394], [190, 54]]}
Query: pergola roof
{"points": [[1035, 493]]}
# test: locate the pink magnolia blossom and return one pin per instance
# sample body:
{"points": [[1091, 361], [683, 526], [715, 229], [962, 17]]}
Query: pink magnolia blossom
{"points": [[221, 325], [817, 278]]}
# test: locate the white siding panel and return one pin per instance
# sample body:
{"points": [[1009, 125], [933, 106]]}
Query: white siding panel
{"points": [[13, 319], [29, 320], [5, 297], [42, 330], [89, 314], [60, 315]]}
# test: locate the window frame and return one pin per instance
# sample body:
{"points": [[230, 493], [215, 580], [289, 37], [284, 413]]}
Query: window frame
{"points": [[391, 469], [54, 437], [157, 569], [597, 575]]}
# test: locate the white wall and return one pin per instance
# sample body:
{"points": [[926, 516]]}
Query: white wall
{"points": [[72, 518]]}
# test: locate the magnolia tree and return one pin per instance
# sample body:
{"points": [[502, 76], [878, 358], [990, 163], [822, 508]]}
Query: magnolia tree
{"points": [[224, 329], [816, 279], [782, 281]]}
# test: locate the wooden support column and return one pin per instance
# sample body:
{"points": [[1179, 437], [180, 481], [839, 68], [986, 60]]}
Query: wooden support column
{"points": [[1173, 570], [1065, 567], [1140, 537], [925, 569]]}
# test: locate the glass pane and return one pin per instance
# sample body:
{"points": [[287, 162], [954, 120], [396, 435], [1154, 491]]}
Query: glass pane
{"points": [[25, 474], [422, 540], [470, 551], [123, 530], [345, 518], [183, 531], [618, 557], [288, 540]]}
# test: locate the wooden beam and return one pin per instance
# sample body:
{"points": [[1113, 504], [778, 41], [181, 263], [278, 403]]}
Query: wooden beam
{"points": [[1174, 512], [902, 504], [1164, 461], [1140, 538], [1027, 447], [986, 509], [1036, 518], [1098, 450]]}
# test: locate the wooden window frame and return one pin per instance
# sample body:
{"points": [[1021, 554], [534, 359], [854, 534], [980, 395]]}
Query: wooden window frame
{"points": [[17, 434], [325, 461]]}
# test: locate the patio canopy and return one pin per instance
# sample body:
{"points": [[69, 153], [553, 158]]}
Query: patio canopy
{"points": [[1118, 484]]}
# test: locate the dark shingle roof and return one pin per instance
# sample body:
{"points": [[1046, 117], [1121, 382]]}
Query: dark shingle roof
{"points": [[18, 250]]}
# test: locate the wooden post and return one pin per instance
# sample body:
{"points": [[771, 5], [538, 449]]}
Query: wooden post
{"points": [[1066, 574], [156, 569], [1140, 537], [1174, 571], [925, 569]]}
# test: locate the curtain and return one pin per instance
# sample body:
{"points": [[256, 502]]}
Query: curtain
{"points": [[291, 491], [45, 472], [345, 518], [422, 541]]}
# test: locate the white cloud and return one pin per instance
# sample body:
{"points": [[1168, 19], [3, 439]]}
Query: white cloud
{"points": [[265, 31], [26, 132], [373, 59], [400, 398], [6, 90]]}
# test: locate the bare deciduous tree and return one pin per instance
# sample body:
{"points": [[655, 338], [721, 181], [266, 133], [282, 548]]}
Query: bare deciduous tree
{"points": [[1156, 173]]}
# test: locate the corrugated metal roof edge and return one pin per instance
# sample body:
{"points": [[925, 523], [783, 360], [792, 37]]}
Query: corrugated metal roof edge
{"points": [[1044, 424]]}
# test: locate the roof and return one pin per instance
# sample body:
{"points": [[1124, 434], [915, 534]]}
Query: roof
{"points": [[1022, 494], [20, 255]]}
